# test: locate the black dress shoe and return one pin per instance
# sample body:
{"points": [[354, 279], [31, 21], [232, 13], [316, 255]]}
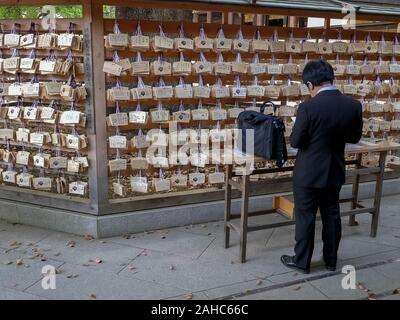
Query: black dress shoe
{"points": [[288, 262], [330, 268]]}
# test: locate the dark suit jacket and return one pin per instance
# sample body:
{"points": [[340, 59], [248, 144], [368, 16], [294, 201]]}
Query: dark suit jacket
{"points": [[323, 126]]}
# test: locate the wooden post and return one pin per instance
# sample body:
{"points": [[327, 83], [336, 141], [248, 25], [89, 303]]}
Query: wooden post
{"points": [[96, 109], [228, 203], [327, 23], [378, 193], [230, 17], [356, 184], [244, 217], [260, 20], [293, 22], [209, 16]]}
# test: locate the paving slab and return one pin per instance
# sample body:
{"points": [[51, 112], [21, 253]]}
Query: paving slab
{"points": [[260, 259], [21, 233], [170, 240], [75, 249], [350, 249], [390, 271], [190, 296], [297, 292], [386, 235], [390, 297], [12, 294], [77, 282], [366, 279], [174, 270], [237, 288], [18, 271]]}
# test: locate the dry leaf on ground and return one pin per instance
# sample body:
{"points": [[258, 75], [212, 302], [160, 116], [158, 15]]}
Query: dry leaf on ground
{"points": [[188, 296]]}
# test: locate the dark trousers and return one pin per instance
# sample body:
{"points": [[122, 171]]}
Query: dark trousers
{"points": [[307, 201]]}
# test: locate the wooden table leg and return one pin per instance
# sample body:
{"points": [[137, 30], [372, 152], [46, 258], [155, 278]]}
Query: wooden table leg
{"points": [[228, 203], [244, 217], [356, 184], [378, 193]]}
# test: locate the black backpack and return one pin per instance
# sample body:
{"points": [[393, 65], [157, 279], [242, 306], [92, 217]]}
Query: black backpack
{"points": [[269, 134]]}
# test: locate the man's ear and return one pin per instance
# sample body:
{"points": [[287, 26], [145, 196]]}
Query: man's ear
{"points": [[310, 86]]}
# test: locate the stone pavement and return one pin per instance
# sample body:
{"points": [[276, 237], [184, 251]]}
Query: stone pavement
{"points": [[191, 263]]}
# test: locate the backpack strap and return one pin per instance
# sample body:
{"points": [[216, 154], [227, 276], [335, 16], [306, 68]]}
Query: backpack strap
{"points": [[281, 154]]}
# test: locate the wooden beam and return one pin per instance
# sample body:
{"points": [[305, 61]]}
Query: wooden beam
{"points": [[230, 30], [40, 2], [97, 129], [255, 9]]}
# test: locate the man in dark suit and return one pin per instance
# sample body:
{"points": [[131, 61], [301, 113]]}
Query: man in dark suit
{"points": [[324, 124]]}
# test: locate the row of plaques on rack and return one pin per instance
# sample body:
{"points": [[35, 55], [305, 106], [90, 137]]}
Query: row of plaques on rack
{"points": [[161, 42], [263, 89]]}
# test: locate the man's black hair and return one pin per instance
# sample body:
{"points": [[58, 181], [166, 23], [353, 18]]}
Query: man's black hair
{"points": [[318, 72]]}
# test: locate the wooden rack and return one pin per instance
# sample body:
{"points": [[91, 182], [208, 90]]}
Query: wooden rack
{"points": [[94, 27]]}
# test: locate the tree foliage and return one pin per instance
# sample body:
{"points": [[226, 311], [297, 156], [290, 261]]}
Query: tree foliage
{"points": [[25, 12]]}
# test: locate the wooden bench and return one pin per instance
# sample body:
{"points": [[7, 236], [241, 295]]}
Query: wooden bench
{"points": [[283, 204]]}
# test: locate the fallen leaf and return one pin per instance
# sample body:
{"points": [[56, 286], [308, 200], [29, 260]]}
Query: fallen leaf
{"points": [[171, 267], [297, 288], [88, 237], [43, 259], [102, 242], [71, 243], [98, 261], [19, 262], [126, 236], [371, 296], [132, 268], [361, 286], [72, 276], [7, 263], [14, 243], [188, 296], [396, 291], [163, 237], [259, 282], [93, 296]]}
